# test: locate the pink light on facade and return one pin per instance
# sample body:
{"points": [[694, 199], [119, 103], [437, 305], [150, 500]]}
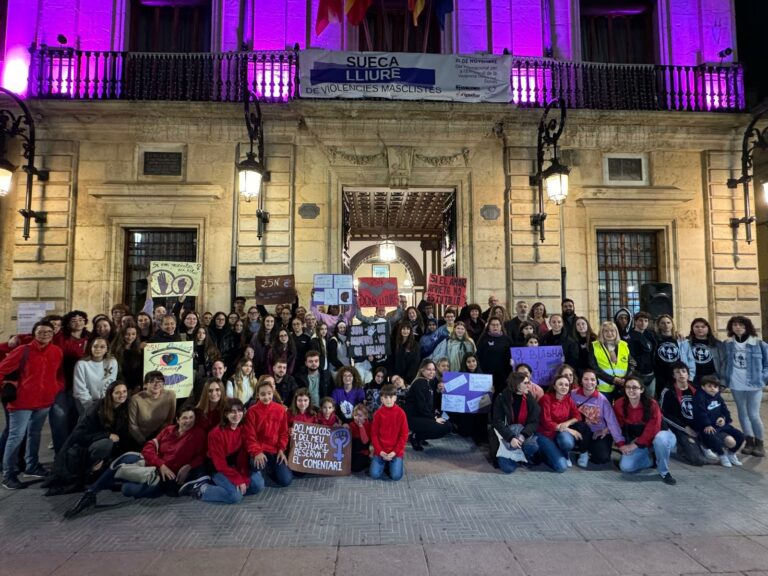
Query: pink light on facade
{"points": [[531, 81], [272, 79], [16, 72]]}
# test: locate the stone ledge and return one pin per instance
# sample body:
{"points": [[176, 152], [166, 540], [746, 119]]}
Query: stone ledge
{"points": [[128, 191], [609, 195]]}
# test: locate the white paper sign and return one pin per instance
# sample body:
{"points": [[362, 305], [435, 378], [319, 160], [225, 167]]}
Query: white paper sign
{"points": [[457, 382], [452, 403], [30, 312], [481, 382]]}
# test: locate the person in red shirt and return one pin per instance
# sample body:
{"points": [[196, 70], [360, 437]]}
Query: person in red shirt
{"points": [[560, 427], [389, 434], [233, 478], [301, 409], [360, 429], [640, 419], [266, 436], [327, 415], [209, 412]]}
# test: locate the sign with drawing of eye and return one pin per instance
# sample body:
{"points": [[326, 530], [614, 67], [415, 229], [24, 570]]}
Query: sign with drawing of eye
{"points": [[174, 360], [175, 278]]}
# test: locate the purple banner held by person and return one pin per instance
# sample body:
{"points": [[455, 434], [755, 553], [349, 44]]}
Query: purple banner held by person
{"points": [[467, 393], [543, 360]]}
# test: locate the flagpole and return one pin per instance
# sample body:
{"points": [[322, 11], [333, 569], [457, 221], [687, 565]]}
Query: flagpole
{"points": [[367, 34], [426, 26]]}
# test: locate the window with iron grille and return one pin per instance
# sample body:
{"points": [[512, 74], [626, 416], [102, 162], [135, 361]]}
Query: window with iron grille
{"points": [[625, 260], [145, 245]]}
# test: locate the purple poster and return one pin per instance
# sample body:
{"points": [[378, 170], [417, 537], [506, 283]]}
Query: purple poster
{"points": [[543, 360], [467, 393]]}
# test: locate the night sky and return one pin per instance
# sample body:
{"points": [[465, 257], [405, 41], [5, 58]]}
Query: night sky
{"points": [[751, 23]]}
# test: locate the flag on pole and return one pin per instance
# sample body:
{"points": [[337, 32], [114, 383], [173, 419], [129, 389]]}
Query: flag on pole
{"points": [[417, 7], [327, 11], [355, 10], [443, 7]]}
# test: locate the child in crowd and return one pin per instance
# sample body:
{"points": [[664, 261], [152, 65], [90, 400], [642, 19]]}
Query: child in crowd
{"points": [[301, 409], [389, 434], [327, 415], [677, 413], [266, 436], [712, 420], [360, 429]]}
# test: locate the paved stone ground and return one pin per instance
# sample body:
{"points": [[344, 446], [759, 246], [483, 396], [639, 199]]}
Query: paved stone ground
{"points": [[451, 514]]}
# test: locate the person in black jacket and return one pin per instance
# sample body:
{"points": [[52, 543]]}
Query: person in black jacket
{"points": [[285, 384], [221, 333], [318, 382], [406, 352], [100, 435], [677, 415], [516, 419], [494, 354], [422, 422], [712, 420], [558, 336], [642, 343]]}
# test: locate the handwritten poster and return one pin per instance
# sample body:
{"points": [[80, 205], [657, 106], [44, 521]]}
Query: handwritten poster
{"points": [[467, 393], [29, 313], [373, 292], [451, 290], [368, 340], [332, 289], [275, 289], [175, 278], [174, 360], [543, 360], [320, 450]]}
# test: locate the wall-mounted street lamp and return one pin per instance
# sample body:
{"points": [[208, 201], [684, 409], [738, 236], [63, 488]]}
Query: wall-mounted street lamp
{"points": [[22, 125], [252, 172], [553, 178], [753, 140]]}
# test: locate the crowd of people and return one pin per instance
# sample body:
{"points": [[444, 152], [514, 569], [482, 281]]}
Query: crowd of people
{"points": [[636, 386]]}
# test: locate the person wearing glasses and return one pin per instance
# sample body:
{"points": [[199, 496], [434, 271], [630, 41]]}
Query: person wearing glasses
{"points": [[640, 419]]}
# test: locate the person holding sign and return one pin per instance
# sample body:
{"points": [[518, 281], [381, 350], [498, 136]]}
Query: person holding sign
{"points": [[389, 434], [515, 421], [266, 436], [419, 406]]}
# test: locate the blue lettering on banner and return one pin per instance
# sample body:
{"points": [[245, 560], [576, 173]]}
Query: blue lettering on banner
{"points": [[333, 73]]}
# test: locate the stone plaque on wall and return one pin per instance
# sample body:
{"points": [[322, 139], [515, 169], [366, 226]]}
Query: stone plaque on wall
{"points": [[163, 163]]}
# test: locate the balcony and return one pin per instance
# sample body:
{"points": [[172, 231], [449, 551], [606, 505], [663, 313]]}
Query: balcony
{"points": [[66, 73]]}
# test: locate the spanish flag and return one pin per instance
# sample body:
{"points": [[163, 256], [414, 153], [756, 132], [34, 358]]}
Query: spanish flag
{"points": [[417, 7], [355, 10], [327, 11]]}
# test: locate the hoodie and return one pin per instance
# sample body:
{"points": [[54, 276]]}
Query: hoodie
{"points": [[624, 333], [707, 409]]}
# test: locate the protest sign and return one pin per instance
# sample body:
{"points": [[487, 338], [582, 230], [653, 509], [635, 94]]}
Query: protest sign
{"points": [[451, 290], [275, 289], [374, 292], [368, 340], [29, 313], [332, 289], [318, 449], [174, 360], [175, 278], [467, 393], [543, 360]]}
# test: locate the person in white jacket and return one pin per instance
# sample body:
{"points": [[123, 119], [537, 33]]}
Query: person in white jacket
{"points": [[93, 374]]}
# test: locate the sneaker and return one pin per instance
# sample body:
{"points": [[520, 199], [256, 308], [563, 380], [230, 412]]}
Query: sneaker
{"points": [[38, 471], [124, 459], [87, 500], [416, 445], [725, 462], [583, 460], [188, 488], [733, 458], [711, 456], [198, 491], [12, 483], [668, 479]]}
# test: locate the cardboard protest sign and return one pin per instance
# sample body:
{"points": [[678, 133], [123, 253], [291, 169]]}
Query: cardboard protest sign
{"points": [[451, 290], [275, 289], [373, 292], [332, 289], [175, 278], [467, 393], [318, 449], [368, 340], [543, 360], [174, 360]]}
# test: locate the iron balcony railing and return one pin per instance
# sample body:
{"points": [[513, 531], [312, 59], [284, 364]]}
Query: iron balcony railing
{"points": [[66, 73]]}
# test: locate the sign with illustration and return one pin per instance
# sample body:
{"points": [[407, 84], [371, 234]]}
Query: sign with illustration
{"points": [[174, 360], [317, 449], [175, 278], [467, 393], [332, 289], [375, 292], [275, 289]]}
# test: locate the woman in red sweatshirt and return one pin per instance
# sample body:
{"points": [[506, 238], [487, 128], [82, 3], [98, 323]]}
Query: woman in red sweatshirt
{"points": [[389, 434], [266, 436], [640, 419], [233, 478], [560, 427]]}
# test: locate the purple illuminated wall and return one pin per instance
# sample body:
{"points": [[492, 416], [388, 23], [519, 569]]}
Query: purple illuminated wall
{"points": [[472, 30]]}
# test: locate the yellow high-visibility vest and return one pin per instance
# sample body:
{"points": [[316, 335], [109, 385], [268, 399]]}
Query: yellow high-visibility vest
{"points": [[618, 368]]}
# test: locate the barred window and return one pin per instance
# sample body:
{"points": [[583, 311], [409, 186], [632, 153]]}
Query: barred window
{"points": [[144, 245], [625, 260]]}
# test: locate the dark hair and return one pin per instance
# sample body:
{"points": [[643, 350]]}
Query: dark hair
{"points": [[471, 307], [535, 305], [711, 340], [709, 379], [514, 380], [312, 354], [591, 336], [678, 365], [202, 404], [152, 375], [240, 299], [642, 314], [52, 317], [186, 407], [122, 307], [645, 400], [567, 300], [68, 316], [466, 357], [39, 323], [107, 406], [531, 337], [381, 369], [741, 320], [294, 410], [388, 390], [523, 364], [230, 404], [357, 382], [409, 342]]}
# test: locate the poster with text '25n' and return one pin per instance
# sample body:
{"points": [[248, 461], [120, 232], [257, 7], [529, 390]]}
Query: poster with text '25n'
{"points": [[405, 76]]}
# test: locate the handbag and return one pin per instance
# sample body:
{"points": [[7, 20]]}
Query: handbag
{"points": [[138, 473]]}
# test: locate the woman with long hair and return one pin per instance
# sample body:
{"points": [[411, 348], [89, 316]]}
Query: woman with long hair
{"points": [[320, 343], [209, 411], [283, 348], [406, 352], [493, 352], [243, 382], [583, 335], [338, 353], [226, 343], [455, 347], [93, 373], [669, 349], [261, 343], [126, 349], [419, 407], [708, 352], [205, 352]]}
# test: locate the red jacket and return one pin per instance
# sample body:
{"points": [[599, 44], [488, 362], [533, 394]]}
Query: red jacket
{"points": [[389, 432], [354, 430], [333, 421], [266, 428], [175, 451], [42, 377], [207, 421], [5, 347], [224, 442], [554, 412], [306, 417], [634, 417]]}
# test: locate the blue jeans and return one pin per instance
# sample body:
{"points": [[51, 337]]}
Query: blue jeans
{"points": [[748, 407], [223, 491], [278, 474], [378, 465], [63, 417], [663, 445], [555, 452], [508, 465], [137, 490], [107, 477], [23, 423]]}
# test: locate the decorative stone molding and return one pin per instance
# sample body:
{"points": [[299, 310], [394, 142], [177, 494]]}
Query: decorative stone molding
{"points": [[400, 164], [490, 212], [611, 195], [309, 211], [442, 161], [336, 154], [131, 191]]}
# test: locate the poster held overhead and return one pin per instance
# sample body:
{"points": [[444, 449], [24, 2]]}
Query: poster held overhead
{"points": [[376, 292]]}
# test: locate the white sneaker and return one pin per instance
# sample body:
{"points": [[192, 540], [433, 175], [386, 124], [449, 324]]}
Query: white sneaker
{"points": [[568, 462], [711, 456], [725, 462], [583, 460], [733, 458]]}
